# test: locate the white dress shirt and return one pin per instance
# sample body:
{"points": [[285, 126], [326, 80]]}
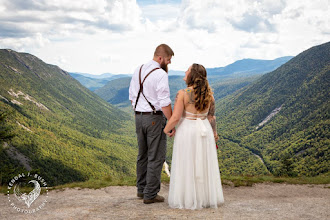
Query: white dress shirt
{"points": [[155, 88]]}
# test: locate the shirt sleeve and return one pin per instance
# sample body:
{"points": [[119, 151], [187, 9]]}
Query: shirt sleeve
{"points": [[130, 90], [163, 91], [132, 93]]}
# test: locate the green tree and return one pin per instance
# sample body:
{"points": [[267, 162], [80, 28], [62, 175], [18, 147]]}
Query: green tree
{"points": [[5, 131]]}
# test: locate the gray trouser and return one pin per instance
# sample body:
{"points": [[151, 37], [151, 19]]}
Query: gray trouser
{"points": [[152, 152]]}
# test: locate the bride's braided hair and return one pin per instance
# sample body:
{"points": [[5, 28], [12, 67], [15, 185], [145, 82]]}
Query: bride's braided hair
{"points": [[203, 92]]}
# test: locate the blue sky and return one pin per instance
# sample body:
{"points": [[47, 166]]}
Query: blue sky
{"points": [[116, 36]]}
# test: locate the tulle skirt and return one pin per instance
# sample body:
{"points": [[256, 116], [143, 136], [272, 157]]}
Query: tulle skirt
{"points": [[195, 177]]}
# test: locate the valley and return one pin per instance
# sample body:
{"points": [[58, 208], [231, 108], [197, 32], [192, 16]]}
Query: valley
{"points": [[269, 123]]}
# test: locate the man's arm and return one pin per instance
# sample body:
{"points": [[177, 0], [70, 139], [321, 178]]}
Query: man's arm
{"points": [[167, 110], [163, 95]]}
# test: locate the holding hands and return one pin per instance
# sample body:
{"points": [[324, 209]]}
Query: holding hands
{"points": [[170, 133]]}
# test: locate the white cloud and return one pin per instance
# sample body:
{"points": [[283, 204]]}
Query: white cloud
{"points": [[116, 36], [246, 15], [153, 12], [31, 16]]}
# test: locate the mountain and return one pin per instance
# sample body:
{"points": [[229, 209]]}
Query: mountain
{"points": [[249, 67], [283, 117], [93, 82], [63, 131], [228, 85], [93, 76], [176, 73], [116, 91], [90, 83], [275, 123], [223, 80], [246, 67]]}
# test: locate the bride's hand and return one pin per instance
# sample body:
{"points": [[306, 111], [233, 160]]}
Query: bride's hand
{"points": [[172, 132], [216, 137]]}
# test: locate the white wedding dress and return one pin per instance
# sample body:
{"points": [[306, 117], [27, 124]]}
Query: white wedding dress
{"points": [[195, 177]]}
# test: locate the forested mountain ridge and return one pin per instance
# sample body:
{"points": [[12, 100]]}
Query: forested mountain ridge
{"points": [[93, 82], [223, 80], [249, 66], [295, 141], [116, 91], [238, 69], [90, 83], [66, 131]]}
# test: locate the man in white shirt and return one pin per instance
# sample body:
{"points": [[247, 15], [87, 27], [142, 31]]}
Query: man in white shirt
{"points": [[150, 97]]}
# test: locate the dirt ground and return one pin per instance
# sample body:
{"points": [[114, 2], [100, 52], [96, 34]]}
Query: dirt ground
{"points": [[261, 201]]}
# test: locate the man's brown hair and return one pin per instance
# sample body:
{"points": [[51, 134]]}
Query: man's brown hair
{"points": [[163, 50]]}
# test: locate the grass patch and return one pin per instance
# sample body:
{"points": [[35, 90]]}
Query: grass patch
{"points": [[250, 180], [107, 181], [24, 189], [100, 183], [226, 180]]}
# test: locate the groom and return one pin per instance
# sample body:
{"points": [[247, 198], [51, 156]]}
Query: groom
{"points": [[150, 96]]}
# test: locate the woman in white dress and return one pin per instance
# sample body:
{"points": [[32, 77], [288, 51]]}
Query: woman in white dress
{"points": [[195, 177]]}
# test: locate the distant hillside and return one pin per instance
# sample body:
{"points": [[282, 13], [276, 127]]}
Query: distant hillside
{"points": [[246, 67], [116, 91], [283, 117], [176, 73], [93, 82], [249, 67], [229, 85], [94, 76], [223, 80], [90, 83], [62, 130]]}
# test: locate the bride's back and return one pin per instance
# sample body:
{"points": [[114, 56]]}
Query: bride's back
{"points": [[189, 102]]}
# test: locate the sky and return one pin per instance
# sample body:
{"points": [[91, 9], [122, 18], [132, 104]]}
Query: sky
{"points": [[116, 36]]}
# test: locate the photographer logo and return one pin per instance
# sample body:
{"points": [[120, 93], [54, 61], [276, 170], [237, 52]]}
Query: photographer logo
{"points": [[27, 202]]}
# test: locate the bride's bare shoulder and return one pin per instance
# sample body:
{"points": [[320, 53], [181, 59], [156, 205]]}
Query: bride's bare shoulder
{"points": [[179, 94], [188, 90], [189, 95]]}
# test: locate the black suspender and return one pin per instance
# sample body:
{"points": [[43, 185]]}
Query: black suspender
{"points": [[141, 89]]}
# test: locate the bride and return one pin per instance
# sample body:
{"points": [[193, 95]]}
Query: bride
{"points": [[195, 177]]}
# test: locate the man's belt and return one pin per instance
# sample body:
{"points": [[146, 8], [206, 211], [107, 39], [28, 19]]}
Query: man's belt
{"points": [[149, 113]]}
